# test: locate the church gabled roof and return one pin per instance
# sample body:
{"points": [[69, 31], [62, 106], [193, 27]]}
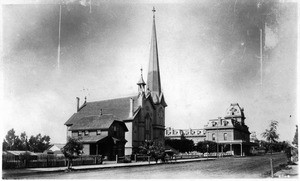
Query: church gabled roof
{"points": [[162, 100], [95, 122], [119, 108], [150, 98]]}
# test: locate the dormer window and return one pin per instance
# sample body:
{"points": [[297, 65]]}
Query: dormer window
{"points": [[86, 132], [225, 123], [98, 132], [214, 124]]}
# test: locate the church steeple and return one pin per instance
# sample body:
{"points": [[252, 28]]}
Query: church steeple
{"points": [[153, 80]]}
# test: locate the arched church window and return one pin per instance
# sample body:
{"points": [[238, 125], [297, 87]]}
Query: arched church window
{"points": [[148, 127]]}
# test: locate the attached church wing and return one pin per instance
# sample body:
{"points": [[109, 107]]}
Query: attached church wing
{"points": [[119, 107]]}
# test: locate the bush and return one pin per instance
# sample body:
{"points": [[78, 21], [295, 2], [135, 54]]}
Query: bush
{"points": [[183, 145], [202, 146]]}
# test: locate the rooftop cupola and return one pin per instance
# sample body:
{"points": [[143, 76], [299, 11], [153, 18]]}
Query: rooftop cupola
{"points": [[141, 83]]}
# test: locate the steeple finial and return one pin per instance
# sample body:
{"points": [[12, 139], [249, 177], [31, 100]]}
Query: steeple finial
{"points": [[153, 10]]}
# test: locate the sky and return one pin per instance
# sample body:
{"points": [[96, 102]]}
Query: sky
{"points": [[209, 55]]}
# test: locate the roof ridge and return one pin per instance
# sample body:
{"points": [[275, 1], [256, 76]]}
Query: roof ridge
{"points": [[99, 116], [109, 99]]}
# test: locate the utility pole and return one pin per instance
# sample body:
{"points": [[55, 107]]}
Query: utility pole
{"points": [[218, 139], [58, 47], [261, 59]]}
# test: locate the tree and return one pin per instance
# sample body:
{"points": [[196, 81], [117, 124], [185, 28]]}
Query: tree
{"points": [[5, 145], [271, 134], [295, 141], [10, 139], [154, 149], [38, 143], [72, 150]]}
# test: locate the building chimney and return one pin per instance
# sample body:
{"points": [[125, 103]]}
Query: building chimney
{"points": [[78, 99], [131, 108], [219, 121]]}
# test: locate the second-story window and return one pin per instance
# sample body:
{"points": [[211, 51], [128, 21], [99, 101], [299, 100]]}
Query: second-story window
{"points": [[86, 132], [225, 136], [213, 137], [79, 133], [115, 130], [98, 132]]}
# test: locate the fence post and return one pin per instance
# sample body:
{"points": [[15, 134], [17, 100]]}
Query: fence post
{"points": [[149, 159], [47, 162], [271, 162], [116, 158], [135, 158]]}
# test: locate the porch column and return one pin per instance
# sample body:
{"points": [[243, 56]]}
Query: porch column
{"points": [[221, 150], [241, 149], [231, 148], [97, 149]]}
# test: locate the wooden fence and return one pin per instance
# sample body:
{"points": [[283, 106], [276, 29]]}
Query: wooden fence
{"points": [[143, 158], [11, 162]]}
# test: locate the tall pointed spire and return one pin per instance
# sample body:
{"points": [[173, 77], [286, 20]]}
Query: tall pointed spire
{"points": [[153, 80]]}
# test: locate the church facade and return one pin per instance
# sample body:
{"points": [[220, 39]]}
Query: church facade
{"points": [[129, 121]]}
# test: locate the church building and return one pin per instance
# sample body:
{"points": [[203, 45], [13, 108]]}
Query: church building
{"points": [[121, 125]]}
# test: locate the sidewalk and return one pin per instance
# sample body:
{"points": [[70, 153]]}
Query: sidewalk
{"points": [[290, 172], [106, 164]]}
